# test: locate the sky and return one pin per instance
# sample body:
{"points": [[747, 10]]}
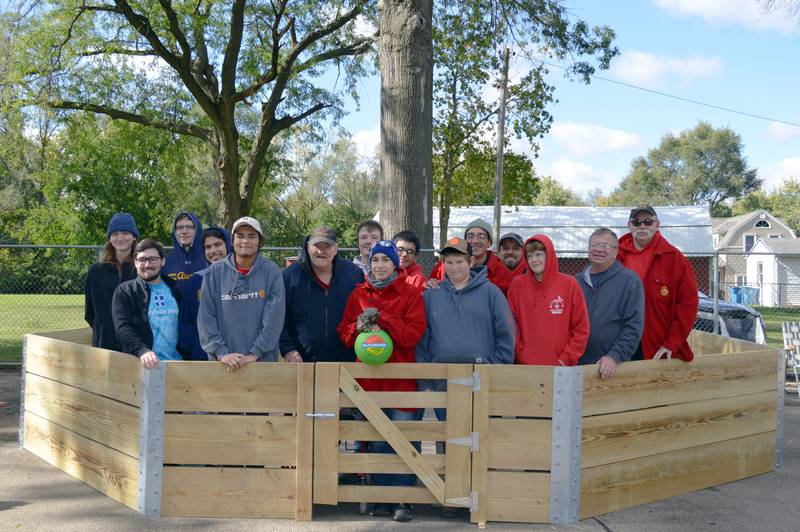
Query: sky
{"points": [[727, 53]]}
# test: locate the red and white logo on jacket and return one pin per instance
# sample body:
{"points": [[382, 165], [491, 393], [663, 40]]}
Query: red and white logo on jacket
{"points": [[557, 305]]}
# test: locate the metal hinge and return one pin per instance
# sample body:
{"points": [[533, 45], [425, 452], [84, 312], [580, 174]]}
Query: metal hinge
{"points": [[321, 415], [475, 381], [470, 441], [470, 502]]}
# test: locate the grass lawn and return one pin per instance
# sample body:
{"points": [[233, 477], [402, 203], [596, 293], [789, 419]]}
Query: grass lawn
{"points": [[773, 318], [30, 313]]}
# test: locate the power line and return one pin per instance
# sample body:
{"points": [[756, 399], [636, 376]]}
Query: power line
{"points": [[680, 98]]}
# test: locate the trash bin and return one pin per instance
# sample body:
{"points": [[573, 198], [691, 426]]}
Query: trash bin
{"points": [[735, 294], [750, 295]]}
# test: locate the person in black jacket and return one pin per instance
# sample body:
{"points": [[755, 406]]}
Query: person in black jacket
{"points": [[146, 309], [114, 267], [317, 289]]}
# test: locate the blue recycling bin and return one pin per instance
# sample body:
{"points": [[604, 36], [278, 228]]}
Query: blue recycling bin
{"points": [[735, 294], [750, 295]]}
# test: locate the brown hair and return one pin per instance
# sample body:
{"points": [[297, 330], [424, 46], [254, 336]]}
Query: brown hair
{"points": [[109, 254], [534, 245]]}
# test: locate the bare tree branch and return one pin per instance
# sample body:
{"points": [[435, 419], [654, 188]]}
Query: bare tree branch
{"points": [[232, 50], [175, 29]]}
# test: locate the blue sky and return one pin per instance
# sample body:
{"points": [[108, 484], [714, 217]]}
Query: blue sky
{"points": [[727, 53]]}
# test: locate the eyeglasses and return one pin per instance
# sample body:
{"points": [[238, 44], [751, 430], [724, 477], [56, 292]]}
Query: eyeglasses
{"points": [[408, 251], [477, 236], [148, 260], [187, 227], [647, 221], [602, 245]]}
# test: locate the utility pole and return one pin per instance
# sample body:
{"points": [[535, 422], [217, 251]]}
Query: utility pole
{"points": [[498, 173]]}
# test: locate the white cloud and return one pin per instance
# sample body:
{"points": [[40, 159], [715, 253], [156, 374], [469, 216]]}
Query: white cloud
{"points": [[367, 142], [652, 70], [585, 138], [774, 175], [780, 132], [580, 177], [747, 13]]}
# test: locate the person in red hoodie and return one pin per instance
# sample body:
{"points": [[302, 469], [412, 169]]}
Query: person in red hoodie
{"points": [[408, 249], [670, 288], [479, 235], [510, 251], [549, 308], [401, 313]]}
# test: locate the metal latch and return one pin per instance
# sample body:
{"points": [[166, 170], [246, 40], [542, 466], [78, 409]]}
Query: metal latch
{"points": [[321, 415], [470, 441], [475, 381], [470, 502]]}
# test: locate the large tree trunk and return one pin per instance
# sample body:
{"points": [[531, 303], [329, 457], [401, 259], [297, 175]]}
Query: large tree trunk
{"points": [[406, 160]]}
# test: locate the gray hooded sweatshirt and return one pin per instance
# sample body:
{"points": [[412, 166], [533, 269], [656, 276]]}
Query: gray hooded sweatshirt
{"points": [[470, 325], [242, 313]]}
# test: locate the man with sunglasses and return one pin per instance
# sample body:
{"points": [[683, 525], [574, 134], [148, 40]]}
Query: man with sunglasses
{"points": [[670, 288], [408, 248], [615, 302], [145, 310]]}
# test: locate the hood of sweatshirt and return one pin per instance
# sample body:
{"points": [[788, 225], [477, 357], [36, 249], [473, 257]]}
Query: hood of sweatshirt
{"points": [[476, 279], [180, 260], [226, 236], [551, 260]]}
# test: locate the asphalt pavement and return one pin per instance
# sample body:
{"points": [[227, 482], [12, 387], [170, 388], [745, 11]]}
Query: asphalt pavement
{"points": [[36, 496]]}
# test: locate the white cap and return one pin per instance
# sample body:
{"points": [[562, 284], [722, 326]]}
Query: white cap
{"points": [[247, 220]]}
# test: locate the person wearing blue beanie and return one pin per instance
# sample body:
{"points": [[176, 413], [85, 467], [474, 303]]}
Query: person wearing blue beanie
{"points": [[388, 248], [114, 267]]}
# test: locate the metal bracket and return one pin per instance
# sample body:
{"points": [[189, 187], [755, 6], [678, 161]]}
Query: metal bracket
{"points": [[470, 441], [475, 381], [151, 439], [565, 460], [321, 415], [470, 502], [22, 392]]}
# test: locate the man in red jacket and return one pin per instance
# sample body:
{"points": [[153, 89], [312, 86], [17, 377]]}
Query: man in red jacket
{"points": [[510, 252], [549, 308], [479, 237], [670, 288], [408, 249]]}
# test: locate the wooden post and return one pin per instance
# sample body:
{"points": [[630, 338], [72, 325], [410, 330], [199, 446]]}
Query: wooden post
{"points": [[779, 421], [305, 441], [151, 439], [565, 461], [498, 173], [22, 393], [480, 459]]}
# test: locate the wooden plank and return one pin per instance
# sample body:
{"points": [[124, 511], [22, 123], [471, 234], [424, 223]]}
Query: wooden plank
{"points": [[521, 391], [99, 371], [705, 343], [412, 430], [480, 459], [520, 497], [228, 492], [326, 433], [257, 388], [110, 472], [648, 383], [392, 435], [520, 444], [397, 371], [97, 418], [619, 485], [628, 435], [230, 439], [305, 443], [402, 399], [458, 472], [384, 463], [396, 494], [81, 336]]}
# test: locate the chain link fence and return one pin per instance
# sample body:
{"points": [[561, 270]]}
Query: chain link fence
{"points": [[41, 289]]}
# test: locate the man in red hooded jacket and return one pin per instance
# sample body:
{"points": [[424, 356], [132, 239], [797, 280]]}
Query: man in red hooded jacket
{"points": [[670, 288], [549, 308]]}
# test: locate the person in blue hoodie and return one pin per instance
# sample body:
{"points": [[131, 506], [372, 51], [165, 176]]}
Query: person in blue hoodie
{"points": [[187, 256], [217, 246], [468, 318], [317, 289]]}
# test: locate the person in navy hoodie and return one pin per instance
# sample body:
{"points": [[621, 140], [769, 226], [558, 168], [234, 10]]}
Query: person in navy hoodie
{"points": [[216, 246], [317, 289], [187, 256]]}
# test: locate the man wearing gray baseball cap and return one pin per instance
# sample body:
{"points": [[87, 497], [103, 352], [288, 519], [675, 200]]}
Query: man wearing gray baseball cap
{"points": [[509, 249]]}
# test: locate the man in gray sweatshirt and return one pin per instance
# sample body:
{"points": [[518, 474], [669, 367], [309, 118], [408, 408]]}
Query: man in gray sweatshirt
{"points": [[469, 320], [242, 303], [615, 301]]}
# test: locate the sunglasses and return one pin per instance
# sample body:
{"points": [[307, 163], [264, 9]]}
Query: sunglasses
{"points": [[647, 221]]}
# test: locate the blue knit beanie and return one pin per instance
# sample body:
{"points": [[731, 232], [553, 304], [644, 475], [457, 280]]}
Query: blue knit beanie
{"points": [[388, 248], [122, 221]]}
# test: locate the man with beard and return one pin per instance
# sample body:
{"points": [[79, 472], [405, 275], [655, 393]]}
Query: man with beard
{"points": [[510, 252], [145, 309]]}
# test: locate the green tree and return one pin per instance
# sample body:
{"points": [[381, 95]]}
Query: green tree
{"points": [[700, 166], [553, 193], [192, 68], [783, 202]]}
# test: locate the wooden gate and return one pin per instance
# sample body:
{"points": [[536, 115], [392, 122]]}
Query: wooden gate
{"points": [[336, 388]]}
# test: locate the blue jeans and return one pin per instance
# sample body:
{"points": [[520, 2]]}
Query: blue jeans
{"points": [[381, 447]]}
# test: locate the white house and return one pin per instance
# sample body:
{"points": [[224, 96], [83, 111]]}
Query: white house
{"points": [[773, 266]]}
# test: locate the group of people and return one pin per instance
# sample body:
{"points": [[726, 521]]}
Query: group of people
{"points": [[215, 297]]}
